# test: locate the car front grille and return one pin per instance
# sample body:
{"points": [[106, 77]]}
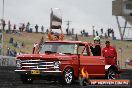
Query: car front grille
{"points": [[37, 65]]}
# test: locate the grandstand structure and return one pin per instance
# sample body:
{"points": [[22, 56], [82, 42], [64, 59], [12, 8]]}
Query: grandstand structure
{"points": [[123, 8]]}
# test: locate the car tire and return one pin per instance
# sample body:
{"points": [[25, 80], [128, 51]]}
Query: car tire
{"points": [[112, 74], [26, 79], [68, 76]]}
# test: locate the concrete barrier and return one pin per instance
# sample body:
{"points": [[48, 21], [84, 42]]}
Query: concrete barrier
{"points": [[7, 61]]}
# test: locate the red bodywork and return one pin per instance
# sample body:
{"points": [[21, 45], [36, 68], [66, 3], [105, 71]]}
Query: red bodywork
{"points": [[94, 65]]}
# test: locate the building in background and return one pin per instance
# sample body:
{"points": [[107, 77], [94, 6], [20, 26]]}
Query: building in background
{"points": [[123, 8]]}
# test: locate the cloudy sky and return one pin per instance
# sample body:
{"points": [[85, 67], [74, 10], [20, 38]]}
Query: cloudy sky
{"points": [[83, 14]]}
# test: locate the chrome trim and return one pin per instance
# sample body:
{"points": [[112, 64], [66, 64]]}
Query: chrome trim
{"points": [[47, 62], [29, 63], [46, 65], [28, 66], [29, 71], [30, 60], [40, 68], [20, 70], [56, 67], [51, 71], [39, 65], [45, 68]]}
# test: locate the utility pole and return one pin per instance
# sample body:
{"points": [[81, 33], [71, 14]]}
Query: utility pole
{"points": [[68, 25]]}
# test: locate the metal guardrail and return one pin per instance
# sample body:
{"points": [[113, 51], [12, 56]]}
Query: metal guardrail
{"points": [[7, 61]]}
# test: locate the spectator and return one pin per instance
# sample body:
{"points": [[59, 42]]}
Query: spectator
{"points": [[8, 52], [9, 25], [23, 27], [15, 44], [81, 32], [14, 53], [86, 34], [3, 24], [19, 53], [11, 40], [76, 38], [27, 26], [101, 30], [20, 28], [47, 31], [97, 34], [30, 30], [18, 45], [42, 29], [93, 33], [23, 45], [14, 27], [113, 35], [67, 31], [36, 28], [72, 31], [109, 31], [106, 35]]}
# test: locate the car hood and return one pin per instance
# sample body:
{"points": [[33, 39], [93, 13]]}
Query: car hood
{"points": [[46, 57]]}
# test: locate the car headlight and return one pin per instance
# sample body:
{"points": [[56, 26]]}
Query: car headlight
{"points": [[18, 63], [57, 64]]}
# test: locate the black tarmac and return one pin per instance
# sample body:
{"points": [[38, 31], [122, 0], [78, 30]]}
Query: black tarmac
{"points": [[9, 79]]}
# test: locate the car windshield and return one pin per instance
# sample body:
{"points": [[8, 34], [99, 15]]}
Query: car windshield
{"points": [[64, 48]]}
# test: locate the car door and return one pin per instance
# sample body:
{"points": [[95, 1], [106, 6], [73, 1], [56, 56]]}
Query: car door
{"points": [[94, 65]]}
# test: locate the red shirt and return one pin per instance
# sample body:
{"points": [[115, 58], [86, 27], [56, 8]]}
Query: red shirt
{"points": [[109, 52], [61, 36]]}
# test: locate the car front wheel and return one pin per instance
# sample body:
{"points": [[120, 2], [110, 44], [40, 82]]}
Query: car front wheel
{"points": [[68, 76]]}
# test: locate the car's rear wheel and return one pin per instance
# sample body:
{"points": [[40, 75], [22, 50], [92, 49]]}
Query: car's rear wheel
{"points": [[26, 79], [112, 74]]}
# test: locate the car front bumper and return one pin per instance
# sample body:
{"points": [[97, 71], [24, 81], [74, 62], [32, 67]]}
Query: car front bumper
{"points": [[42, 73]]}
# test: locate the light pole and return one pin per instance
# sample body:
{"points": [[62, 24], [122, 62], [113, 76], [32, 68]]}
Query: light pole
{"points": [[93, 31], [3, 8], [2, 40]]}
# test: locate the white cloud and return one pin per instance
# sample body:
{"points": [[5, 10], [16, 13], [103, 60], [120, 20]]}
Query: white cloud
{"points": [[83, 13]]}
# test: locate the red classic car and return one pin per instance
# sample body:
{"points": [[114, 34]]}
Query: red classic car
{"points": [[63, 61]]}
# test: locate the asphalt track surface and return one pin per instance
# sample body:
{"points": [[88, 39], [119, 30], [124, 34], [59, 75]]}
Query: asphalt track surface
{"points": [[9, 79]]}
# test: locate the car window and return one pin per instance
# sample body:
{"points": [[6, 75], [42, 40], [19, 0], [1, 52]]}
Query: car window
{"points": [[86, 52], [59, 48], [80, 49]]}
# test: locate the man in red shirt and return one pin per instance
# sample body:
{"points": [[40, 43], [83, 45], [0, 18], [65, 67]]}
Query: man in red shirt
{"points": [[55, 37], [110, 54]]}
